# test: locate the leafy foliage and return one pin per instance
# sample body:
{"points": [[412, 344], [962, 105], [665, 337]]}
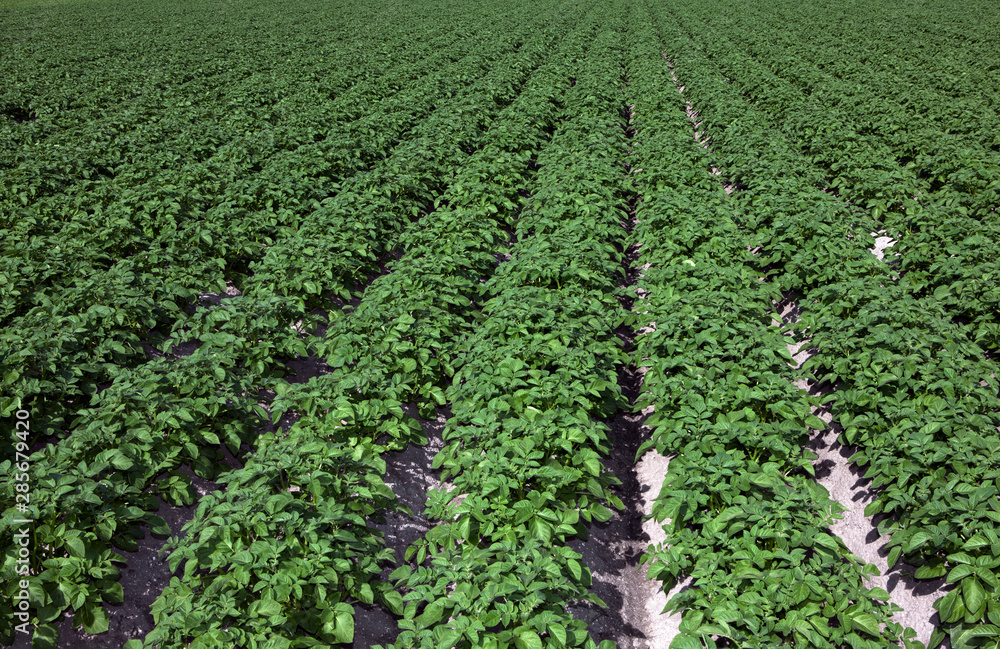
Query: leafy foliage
{"points": [[908, 344], [434, 202]]}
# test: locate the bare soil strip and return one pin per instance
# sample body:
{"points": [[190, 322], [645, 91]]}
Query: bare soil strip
{"points": [[409, 475], [847, 485], [634, 618], [146, 573], [699, 135]]}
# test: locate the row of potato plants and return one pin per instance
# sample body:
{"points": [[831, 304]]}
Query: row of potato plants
{"points": [[90, 308], [746, 520], [395, 348], [151, 419], [203, 322], [908, 64], [339, 244], [107, 291], [947, 221], [183, 105], [951, 45], [943, 200], [523, 448], [919, 175], [946, 244], [148, 200], [889, 97], [914, 390]]}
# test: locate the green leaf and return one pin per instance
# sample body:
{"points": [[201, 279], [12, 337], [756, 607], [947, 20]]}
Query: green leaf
{"points": [[574, 569], [76, 547], [827, 541], [344, 628], [601, 513], [894, 555], [917, 540], [685, 641], [242, 558], [718, 524], [857, 642], [431, 615], [114, 593], [930, 571], [558, 632], [277, 642], [51, 612], [95, 618], [157, 525], [528, 640], [987, 576], [977, 541], [962, 637], [867, 623], [446, 638], [815, 422], [45, 637], [394, 601], [961, 557], [879, 593], [401, 573], [539, 529], [975, 600], [267, 608], [951, 607], [958, 572]]}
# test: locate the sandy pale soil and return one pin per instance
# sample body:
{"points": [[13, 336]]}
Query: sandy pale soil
{"points": [[612, 550], [847, 485]]}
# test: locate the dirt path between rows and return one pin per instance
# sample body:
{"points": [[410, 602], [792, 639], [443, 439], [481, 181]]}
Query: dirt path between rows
{"points": [[847, 485], [634, 618]]}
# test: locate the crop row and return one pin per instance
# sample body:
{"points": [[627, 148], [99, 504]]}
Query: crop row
{"points": [[914, 392], [747, 522], [395, 347], [461, 183], [911, 65], [101, 290], [523, 450], [935, 183], [228, 99], [172, 411]]}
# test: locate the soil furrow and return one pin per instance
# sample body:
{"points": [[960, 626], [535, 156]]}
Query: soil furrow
{"points": [[634, 619], [847, 485]]}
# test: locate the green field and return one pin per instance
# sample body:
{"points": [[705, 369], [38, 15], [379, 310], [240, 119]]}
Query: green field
{"points": [[252, 252]]}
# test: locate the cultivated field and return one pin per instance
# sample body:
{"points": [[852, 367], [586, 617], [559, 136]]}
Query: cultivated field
{"points": [[453, 324]]}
